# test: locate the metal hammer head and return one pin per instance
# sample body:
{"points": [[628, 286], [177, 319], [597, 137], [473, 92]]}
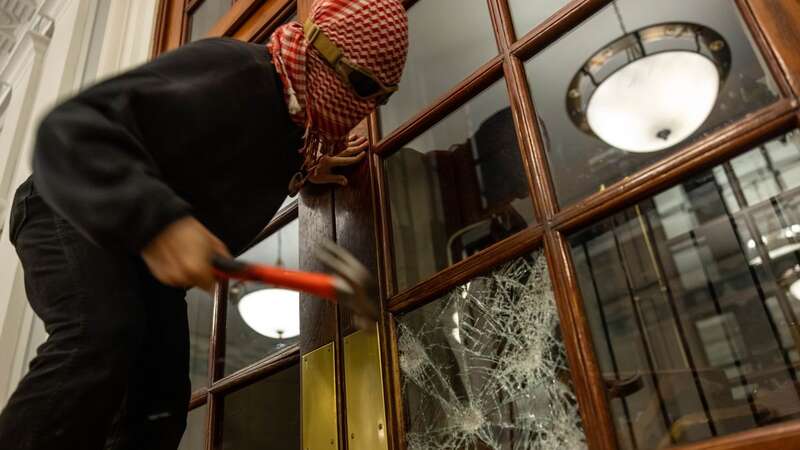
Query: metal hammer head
{"points": [[356, 289]]}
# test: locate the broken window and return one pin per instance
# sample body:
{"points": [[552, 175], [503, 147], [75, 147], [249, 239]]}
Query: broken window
{"points": [[484, 366]]}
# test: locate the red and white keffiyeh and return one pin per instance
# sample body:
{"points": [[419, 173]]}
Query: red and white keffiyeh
{"points": [[371, 33]]}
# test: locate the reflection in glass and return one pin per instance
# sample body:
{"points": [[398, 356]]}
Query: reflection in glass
{"points": [[484, 366], [457, 188], [444, 48], [689, 301], [526, 14], [265, 414], [194, 438], [260, 319], [199, 306], [682, 49], [205, 16]]}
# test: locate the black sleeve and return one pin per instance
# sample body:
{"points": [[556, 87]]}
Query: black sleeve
{"points": [[92, 168]]}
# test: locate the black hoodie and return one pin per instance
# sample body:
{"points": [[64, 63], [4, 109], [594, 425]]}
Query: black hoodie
{"points": [[201, 130]]}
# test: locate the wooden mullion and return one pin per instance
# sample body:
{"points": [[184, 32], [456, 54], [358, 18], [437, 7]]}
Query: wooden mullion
{"points": [[213, 422], [563, 21], [198, 398], [169, 27], [387, 280], [534, 153], [216, 350], [702, 154], [444, 105], [392, 382], [257, 371], [775, 27], [459, 273], [501, 25], [587, 382], [189, 6], [238, 13], [264, 20]]}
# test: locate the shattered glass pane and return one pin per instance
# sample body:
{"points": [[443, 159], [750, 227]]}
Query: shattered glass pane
{"points": [[484, 366]]}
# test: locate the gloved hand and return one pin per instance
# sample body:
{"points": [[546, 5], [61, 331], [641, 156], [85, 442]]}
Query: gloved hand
{"points": [[353, 154]]}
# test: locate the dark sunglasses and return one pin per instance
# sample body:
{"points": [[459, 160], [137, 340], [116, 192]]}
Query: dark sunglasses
{"points": [[363, 82]]}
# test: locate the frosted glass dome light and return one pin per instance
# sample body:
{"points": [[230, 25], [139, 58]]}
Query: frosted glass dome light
{"points": [[274, 313], [650, 89], [655, 102]]}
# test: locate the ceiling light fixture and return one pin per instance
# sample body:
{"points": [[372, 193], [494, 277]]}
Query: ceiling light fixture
{"points": [[274, 313], [652, 88]]}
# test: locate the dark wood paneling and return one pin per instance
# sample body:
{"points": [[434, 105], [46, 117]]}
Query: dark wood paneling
{"points": [[779, 23], [702, 154], [465, 270], [575, 331], [355, 221], [317, 317]]}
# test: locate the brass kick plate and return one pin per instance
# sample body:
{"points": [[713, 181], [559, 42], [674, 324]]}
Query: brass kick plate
{"points": [[366, 416], [319, 399]]}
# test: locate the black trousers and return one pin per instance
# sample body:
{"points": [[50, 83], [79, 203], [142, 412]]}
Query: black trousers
{"points": [[114, 371]]}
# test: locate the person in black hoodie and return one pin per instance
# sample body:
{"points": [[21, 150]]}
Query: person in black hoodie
{"points": [[139, 181]]}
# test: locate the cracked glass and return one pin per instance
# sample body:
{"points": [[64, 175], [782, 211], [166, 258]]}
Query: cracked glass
{"points": [[484, 367], [693, 296]]}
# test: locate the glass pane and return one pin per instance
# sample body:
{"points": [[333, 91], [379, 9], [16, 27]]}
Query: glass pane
{"points": [[608, 110], [457, 188], [444, 48], [693, 298], [261, 319], [200, 307], [205, 16], [265, 414], [194, 438], [526, 14], [484, 366]]}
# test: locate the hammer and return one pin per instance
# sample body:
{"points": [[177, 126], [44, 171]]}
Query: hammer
{"points": [[349, 284]]}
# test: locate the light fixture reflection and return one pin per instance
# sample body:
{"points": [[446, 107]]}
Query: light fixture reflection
{"points": [[274, 313], [651, 88], [655, 102]]}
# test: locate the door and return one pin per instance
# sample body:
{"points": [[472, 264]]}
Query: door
{"points": [[548, 278]]}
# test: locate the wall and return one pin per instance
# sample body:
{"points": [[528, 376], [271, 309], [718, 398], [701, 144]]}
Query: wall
{"points": [[61, 46]]}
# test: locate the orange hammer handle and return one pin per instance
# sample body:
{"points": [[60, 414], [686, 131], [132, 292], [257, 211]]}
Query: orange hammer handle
{"points": [[318, 284]]}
